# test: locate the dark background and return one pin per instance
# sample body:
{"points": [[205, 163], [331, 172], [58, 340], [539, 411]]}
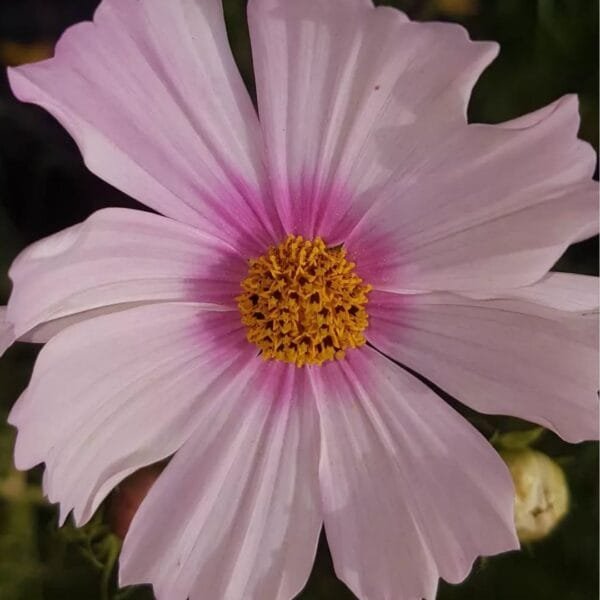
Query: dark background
{"points": [[549, 48]]}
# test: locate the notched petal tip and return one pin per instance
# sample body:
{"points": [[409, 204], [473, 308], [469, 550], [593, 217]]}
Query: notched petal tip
{"points": [[17, 81], [565, 106], [25, 453], [562, 114], [424, 537], [479, 54], [7, 332]]}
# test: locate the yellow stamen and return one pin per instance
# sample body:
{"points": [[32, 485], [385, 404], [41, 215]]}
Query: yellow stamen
{"points": [[303, 303]]}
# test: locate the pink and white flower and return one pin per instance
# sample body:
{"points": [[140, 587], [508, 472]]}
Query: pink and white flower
{"points": [[362, 141]]}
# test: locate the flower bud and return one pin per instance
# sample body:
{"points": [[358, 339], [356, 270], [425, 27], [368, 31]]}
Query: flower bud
{"points": [[457, 8], [128, 496], [542, 493]]}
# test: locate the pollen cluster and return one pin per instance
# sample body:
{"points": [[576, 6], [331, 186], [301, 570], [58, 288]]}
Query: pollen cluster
{"points": [[303, 303]]}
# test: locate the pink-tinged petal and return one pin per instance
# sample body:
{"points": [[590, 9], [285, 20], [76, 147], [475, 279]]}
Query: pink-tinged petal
{"points": [[115, 258], [487, 207], [514, 357], [563, 291], [7, 333], [43, 333], [331, 76], [411, 492], [236, 513], [118, 392], [153, 98]]}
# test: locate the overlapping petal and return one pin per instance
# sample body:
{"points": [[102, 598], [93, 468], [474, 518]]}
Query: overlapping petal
{"points": [[508, 355], [152, 96], [7, 333], [247, 517], [115, 258], [115, 393], [487, 207], [331, 76], [564, 291], [411, 492]]}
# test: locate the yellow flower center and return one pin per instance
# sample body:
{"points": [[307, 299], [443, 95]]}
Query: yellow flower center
{"points": [[303, 303]]}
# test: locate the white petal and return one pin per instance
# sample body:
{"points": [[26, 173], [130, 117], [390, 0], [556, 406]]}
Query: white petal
{"points": [[119, 257], [7, 333], [411, 492], [152, 96], [485, 208], [331, 76], [236, 514], [499, 356], [118, 392], [563, 291]]}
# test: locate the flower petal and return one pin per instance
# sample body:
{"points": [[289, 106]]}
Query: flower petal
{"points": [[7, 333], [411, 492], [563, 291], [514, 357], [331, 76], [115, 257], [236, 513], [488, 207], [118, 392], [152, 96]]}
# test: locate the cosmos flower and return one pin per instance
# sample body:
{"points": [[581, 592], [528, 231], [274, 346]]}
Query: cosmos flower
{"points": [[264, 328]]}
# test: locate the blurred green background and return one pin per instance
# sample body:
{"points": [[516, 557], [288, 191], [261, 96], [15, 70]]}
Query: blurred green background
{"points": [[549, 48]]}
